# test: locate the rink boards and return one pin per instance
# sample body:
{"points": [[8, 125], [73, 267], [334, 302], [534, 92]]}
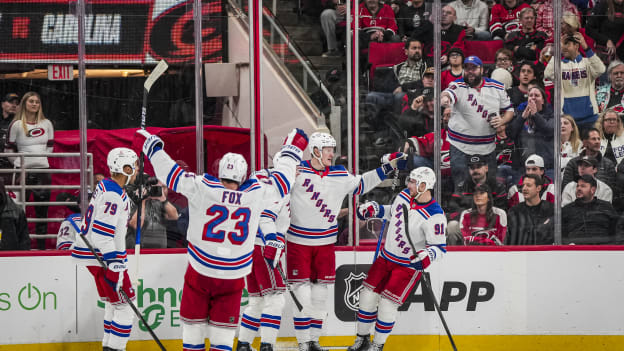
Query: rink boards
{"points": [[549, 298]]}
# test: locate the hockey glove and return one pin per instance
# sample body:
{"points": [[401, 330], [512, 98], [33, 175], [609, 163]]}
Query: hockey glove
{"points": [[273, 249], [370, 209], [295, 143], [421, 261], [390, 162], [114, 274], [151, 144]]}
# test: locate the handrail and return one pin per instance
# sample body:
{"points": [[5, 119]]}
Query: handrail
{"points": [[22, 186]]}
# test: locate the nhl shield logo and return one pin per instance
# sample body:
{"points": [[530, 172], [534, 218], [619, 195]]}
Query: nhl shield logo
{"points": [[353, 285]]}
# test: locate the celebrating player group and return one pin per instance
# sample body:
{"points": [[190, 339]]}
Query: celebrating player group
{"points": [[239, 229]]}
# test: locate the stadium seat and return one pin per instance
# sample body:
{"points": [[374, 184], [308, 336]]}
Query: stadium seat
{"points": [[486, 49], [384, 54]]}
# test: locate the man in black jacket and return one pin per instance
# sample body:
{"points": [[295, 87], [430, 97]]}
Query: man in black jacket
{"points": [[531, 222], [13, 224], [606, 167], [588, 220]]}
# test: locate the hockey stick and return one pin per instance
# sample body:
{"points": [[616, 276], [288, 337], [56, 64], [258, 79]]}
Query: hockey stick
{"points": [[381, 233], [125, 296], [425, 279], [292, 294], [160, 68]]}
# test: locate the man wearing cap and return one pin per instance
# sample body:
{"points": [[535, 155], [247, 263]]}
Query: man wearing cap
{"points": [[587, 165], [578, 76], [588, 220], [461, 199], [405, 76], [531, 222], [591, 147], [477, 103], [9, 108], [534, 164]]}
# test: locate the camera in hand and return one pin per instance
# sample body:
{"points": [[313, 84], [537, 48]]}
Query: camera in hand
{"points": [[154, 190]]}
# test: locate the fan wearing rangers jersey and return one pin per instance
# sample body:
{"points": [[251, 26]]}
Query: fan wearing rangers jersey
{"points": [[67, 231], [396, 271], [104, 225], [265, 285], [224, 214], [477, 106], [314, 203]]}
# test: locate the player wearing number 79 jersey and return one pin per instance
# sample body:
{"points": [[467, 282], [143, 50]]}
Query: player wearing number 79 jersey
{"points": [[395, 272], [224, 215]]}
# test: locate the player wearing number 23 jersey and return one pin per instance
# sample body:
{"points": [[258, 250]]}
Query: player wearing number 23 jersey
{"points": [[224, 216]]}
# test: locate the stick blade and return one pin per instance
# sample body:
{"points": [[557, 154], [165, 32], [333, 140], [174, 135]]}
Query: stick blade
{"points": [[160, 68]]}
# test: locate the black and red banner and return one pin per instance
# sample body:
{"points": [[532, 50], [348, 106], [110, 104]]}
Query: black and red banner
{"points": [[116, 31]]}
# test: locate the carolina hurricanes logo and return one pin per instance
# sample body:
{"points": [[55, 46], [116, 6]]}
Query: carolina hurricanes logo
{"points": [[35, 132], [171, 37]]}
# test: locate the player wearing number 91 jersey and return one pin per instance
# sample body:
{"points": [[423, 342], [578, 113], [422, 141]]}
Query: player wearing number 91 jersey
{"points": [[224, 215], [395, 272]]}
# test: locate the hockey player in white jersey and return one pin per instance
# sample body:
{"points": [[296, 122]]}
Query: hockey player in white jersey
{"points": [[315, 201], [104, 225], [265, 286], [395, 272], [224, 214], [68, 231]]}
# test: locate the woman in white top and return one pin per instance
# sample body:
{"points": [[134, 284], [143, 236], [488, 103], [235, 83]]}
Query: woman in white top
{"points": [[31, 132], [611, 131], [570, 140]]}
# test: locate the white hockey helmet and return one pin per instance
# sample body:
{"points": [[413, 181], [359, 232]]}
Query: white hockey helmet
{"points": [[120, 157], [233, 167], [423, 175], [320, 140]]}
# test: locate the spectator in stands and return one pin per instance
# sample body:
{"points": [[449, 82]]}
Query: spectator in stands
{"points": [[503, 68], [483, 223], [406, 76], [578, 76], [611, 130], [330, 16], [154, 211], [420, 148], [504, 18], [540, 66], [478, 174], [544, 18], [533, 165], [474, 15], [13, 224], [456, 70], [32, 132], [476, 103], [591, 144], [519, 93], [533, 127], [507, 158], [570, 141], [570, 25], [526, 42], [418, 118], [9, 107], [531, 222], [606, 26], [588, 220], [504, 59], [376, 23], [612, 94], [453, 35], [587, 165], [413, 21]]}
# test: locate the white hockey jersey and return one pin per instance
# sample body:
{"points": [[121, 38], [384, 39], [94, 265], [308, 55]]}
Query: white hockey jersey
{"points": [[427, 229], [271, 222], [223, 222], [68, 231], [469, 128], [316, 199], [105, 224]]}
